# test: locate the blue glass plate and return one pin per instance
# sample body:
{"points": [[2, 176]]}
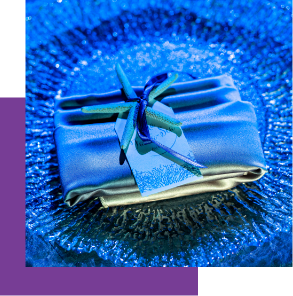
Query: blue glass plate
{"points": [[72, 47]]}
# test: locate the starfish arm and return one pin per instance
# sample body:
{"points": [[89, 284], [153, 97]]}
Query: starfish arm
{"points": [[129, 127], [162, 87], [108, 108], [162, 117], [128, 90]]}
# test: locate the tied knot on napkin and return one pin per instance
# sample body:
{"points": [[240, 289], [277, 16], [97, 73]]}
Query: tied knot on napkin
{"points": [[138, 111]]}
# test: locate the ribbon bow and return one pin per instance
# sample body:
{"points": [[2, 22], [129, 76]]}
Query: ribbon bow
{"points": [[138, 110]]}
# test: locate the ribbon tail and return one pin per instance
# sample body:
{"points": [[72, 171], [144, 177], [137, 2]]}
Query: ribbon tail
{"points": [[179, 156]]}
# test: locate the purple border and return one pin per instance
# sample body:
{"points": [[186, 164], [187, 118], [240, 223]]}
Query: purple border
{"points": [[16, 279]]}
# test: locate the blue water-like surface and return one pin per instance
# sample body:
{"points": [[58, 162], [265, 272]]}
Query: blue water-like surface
{"points": [[72, 47]]}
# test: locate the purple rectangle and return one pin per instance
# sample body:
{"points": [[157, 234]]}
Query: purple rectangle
{"points": [[16, 279]]}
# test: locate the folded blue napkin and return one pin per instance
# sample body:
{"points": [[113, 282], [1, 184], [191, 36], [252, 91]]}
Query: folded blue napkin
{"points": [[221, 131]]}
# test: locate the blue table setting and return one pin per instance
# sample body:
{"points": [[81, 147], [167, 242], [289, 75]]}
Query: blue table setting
{"points": [[158, 133]]}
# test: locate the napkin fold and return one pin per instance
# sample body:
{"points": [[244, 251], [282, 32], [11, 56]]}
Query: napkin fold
{"points": [[220, 128]]}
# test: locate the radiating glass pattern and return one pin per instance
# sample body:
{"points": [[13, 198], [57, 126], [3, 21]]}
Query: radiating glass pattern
{"points": [[72, 47]]}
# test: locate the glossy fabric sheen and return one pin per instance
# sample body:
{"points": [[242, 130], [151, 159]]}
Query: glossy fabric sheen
{"points": [[220, 129]]}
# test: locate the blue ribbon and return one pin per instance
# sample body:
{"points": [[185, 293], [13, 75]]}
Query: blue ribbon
{"points": [[142, 126]]}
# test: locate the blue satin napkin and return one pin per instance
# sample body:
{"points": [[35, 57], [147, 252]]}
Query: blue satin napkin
{"points": [[220, 128]]}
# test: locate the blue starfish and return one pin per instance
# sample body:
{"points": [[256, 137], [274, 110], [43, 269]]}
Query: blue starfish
{"points": [[132, 107]]}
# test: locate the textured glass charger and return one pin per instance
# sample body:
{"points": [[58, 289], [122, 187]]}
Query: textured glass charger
{"points": [[72, 48]]}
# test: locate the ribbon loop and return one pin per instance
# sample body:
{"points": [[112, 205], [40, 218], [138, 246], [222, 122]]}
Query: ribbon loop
{"points": [[142, 126]]}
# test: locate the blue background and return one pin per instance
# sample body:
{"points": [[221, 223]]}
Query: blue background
{"points": [[72, 47]]}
